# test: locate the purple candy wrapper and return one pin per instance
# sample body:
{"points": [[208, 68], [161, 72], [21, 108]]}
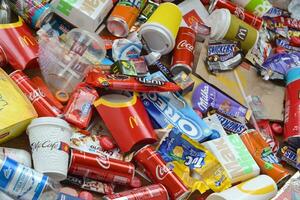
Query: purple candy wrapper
{"points": [[282, 62], [206, 96], [285, 43]]}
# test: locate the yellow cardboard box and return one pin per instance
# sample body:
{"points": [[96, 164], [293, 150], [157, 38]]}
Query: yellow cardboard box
{"points": [[16, 111]]}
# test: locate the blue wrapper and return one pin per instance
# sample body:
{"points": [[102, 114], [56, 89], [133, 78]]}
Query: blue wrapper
{"points": [[185, 153], [282, 62], [171, 110]]}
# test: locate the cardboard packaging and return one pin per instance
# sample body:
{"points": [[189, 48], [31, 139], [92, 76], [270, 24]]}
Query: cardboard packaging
{"points": [[234, 156], [85, 14], [252, 85], [16, 111]]}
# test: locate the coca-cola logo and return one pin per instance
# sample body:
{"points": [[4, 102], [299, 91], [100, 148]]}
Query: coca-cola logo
{"points": [[44, 145], [35, 94], [240, 13], [162, 172], [185, 45], [103, 161]]}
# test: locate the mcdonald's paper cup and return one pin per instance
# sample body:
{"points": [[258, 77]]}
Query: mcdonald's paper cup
{"points": [[261, 187], [224, 25], [49, 140], [257, 7], [161, 29]]}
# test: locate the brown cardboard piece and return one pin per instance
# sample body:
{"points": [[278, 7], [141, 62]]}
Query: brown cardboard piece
{"points": [[271, 95]]}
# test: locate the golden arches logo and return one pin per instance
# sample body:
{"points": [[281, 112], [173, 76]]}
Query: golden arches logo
{"points": [[192, 19], [133, 121], [26, 41]]}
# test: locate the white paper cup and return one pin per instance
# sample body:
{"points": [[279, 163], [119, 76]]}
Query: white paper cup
{"points": [[261, 187], [49, 140]]}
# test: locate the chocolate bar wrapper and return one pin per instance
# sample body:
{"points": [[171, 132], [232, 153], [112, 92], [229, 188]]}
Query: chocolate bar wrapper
{"points": [[91, 144], [206, 96], [90, 185]]}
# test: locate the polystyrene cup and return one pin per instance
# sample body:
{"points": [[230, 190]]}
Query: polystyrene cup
{"points": [[49, 140]]}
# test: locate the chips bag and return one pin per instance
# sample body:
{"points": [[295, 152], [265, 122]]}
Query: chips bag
{"points": [[193, 163]]}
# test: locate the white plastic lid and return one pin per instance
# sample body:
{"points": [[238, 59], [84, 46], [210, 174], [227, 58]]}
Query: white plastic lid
{"points": [[158, 38], [219, 21], [49, 120]]}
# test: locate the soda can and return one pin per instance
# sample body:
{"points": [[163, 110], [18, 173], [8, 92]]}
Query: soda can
{"points": [[238, 11], [155, 168], [34, 12], [264, 157], [183, 56], [100, 167], [292, 105], [150, 192], [38, 99], [124, 16]]}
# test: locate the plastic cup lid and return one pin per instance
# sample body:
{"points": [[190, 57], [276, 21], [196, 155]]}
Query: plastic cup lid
{"points": [[157, 37], [49, 120], [219, 21]]}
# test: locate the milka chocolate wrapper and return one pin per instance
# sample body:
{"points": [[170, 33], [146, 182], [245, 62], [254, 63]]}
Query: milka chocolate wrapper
{"points": [[282, 62], [206, 96]]}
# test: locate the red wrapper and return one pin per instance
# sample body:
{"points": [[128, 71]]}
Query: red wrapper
{"points": [[267, 134], [39, 100], [79, 108], [122, 82], [289, 22], [151, 192]]}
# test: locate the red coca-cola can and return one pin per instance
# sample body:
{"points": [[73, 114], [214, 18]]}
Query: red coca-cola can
{"points": [[42, 105], [155, 168], [150, 192], [292, 105], [183, 56], [100, 167], [238, 11]]}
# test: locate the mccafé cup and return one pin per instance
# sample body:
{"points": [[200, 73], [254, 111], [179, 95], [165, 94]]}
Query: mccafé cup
{"points": [[224, 25]]}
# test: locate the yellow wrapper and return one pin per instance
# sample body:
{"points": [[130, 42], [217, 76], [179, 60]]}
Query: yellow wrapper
{"points": [[16, 111], [193, 163]]}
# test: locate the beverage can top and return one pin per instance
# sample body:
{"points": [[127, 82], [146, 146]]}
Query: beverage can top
{"points": [[292, 75]]}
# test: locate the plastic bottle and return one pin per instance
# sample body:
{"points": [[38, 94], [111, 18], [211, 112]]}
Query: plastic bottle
{"points": [[5, 16], [24, 183]]}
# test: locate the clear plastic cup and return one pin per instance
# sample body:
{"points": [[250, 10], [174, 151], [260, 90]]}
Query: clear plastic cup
{"points": [[64, 63]]}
